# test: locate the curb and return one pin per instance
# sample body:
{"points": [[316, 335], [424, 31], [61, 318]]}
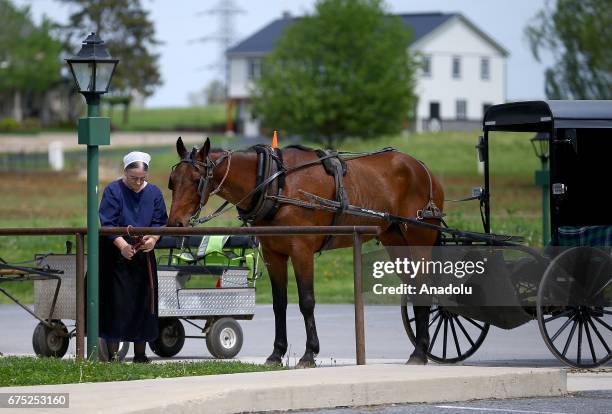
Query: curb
{"points": [[310, 389]]}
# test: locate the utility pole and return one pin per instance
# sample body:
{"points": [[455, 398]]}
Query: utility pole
{"points": [[224, 36]]}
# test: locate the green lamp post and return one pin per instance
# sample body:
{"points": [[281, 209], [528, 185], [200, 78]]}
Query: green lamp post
{"points": [[92, 68], [540, 143]]}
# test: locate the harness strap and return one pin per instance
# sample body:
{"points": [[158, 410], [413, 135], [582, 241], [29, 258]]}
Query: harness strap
{"points": [[431, 210]]}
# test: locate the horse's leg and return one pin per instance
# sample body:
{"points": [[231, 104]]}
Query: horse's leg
{"points": [[394, 236], [421, 318], [303, 266], [277, 268]]}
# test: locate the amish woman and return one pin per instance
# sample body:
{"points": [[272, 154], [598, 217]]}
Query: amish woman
{"points": [[128, 272]]}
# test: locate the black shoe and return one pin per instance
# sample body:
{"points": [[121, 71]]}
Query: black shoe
{"points": [[141, 359]]}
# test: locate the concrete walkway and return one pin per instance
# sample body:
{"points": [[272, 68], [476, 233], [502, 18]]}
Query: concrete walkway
{"points": [[308, 389]]}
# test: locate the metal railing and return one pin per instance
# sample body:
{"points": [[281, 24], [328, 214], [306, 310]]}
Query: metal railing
{"points": [[79, 232]]}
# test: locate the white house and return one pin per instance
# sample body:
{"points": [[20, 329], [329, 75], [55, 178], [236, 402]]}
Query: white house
{"points": [[463, 71]]}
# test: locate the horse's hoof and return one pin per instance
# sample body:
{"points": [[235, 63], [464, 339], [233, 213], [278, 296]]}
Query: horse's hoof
{"points": [[306, 363], [274, 361], [416, 360]]}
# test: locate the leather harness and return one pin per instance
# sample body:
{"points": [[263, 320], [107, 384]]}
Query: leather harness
{"points": [[270, 183]]}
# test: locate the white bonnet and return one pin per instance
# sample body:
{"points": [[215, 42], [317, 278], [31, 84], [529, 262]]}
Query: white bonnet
{"points": [[136, 156]]}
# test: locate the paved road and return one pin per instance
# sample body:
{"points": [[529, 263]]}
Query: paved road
{"points": [[385, 337], [590, 402]]}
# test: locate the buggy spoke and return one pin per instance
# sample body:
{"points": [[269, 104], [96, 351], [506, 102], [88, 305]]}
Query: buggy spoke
{"points": [[579, 341], [607, 312], [452, 324], [463, 330], [569, 338], [588, 334], [562, 328], [433, 320], [435, 335], [470, 320], [603, 323], [445, 338], [552, 318], [599, 335]]}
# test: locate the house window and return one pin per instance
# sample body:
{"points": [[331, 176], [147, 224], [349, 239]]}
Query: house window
{"points": [[426, 66], [456, 67], [461, 109], [485, 68], [254, 68], [485, 106]]}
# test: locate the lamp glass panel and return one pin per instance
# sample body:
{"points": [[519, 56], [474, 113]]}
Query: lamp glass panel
{"points": [[104, 71], [83, 73]]}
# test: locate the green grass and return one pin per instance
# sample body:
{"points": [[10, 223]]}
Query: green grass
{"points": [[19, 371], [170, 119], [58, 199]]}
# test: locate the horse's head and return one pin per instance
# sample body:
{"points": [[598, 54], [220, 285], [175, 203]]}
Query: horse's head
{"points": [[190, 182]]}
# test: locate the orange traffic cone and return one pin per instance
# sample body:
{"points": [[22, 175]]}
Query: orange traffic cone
{"points": [[275, 139]]}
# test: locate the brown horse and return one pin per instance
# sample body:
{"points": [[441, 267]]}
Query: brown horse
{"points": [[389, 181]]}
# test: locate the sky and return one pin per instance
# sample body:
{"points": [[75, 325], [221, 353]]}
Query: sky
{"points": [[187, 64]]}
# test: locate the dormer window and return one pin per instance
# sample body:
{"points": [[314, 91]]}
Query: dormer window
{"points": [[426, 66], [485, 68], [456, 67]]}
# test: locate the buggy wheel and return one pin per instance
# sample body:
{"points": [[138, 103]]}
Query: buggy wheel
{"points": [[453, 337], [50, 342], [103, 356], [224, 339], [171, 338], [573, 310]]}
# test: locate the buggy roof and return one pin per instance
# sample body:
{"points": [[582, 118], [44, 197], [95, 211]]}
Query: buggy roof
{"points": [[539, 115]]}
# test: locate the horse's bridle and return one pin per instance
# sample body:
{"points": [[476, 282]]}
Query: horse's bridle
{"points": [[203, 184]]}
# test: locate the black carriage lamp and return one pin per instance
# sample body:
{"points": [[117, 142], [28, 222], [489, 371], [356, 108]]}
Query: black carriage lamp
{"points": [[540, 143], [92, 68]]}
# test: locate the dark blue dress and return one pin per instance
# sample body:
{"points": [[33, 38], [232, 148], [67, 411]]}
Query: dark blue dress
{"points": [[128, 288]]}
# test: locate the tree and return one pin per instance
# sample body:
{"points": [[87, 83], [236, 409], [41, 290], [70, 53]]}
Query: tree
{"points": [[343, 71], [578, 33], [129, 35], [212, 93], [29, 55]]}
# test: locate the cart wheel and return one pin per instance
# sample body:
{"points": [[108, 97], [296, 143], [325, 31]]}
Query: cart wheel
{"points": [[50, 342], [171, 338], [124, 347], [224, 339], [573, 310], [467, 334]]}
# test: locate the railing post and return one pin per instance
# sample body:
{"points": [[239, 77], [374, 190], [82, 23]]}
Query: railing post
{"points": [[358, 294], [80, 297]]}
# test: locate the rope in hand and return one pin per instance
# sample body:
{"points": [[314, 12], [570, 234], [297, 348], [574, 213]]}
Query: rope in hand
{"points": [[136, 246]]}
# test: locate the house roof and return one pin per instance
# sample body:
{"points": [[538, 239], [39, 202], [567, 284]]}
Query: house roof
{"points": [[263, 40]]}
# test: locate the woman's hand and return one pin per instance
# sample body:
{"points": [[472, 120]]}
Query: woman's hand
{"points": [[127, 251], [148, 243]]}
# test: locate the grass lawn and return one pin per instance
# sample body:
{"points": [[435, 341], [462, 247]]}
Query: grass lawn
{"points": [[58, 199], [200, 118], [18, 371]]}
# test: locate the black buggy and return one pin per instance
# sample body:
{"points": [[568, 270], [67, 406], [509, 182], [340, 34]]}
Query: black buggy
{"points": [[568, 287]]}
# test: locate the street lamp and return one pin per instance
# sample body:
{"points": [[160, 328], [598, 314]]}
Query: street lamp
{"points": [[92, 68], [541, 147]]}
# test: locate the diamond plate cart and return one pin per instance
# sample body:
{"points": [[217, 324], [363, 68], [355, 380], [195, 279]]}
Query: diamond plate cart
{"points": [[230, 272]]}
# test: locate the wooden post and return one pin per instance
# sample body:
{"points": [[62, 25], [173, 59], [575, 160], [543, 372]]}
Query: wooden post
{"points": [[358, 294], [229, 125], [80, 297]]}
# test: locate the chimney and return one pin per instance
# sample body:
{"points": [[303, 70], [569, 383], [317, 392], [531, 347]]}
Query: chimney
{"points": [[286, 14]]}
